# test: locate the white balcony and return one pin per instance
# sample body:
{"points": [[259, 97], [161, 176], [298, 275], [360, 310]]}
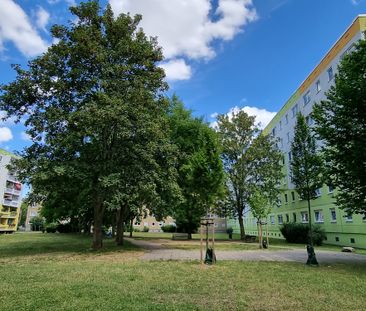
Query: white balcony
{"points": [[10, 203]]}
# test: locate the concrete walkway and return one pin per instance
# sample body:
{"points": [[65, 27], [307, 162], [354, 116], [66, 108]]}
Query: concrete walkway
{"points": [[156, 251]]}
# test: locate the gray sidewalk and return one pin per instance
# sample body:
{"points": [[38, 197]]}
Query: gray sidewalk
{"points": [[155, 251]]}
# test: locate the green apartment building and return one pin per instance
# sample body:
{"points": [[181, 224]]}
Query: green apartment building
{"points": [[341, 229]]}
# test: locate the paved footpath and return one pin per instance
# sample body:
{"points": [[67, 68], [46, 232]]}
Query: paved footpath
{"points": [[156, 251]]}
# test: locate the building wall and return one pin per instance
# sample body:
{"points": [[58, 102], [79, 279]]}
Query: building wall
{"points": [[340, 230], [32, 211], [10, 195]]}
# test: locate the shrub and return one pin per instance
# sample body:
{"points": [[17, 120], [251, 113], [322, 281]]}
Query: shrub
{"points": [[136, 230], [299, 233], [168, 228], [51, 227], [146, 229], [64, 228]]}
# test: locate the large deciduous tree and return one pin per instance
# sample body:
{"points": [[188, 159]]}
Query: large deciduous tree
{"points": [[95, 112], [200, 172], [306, 165], [251, 162], [341, 125]]}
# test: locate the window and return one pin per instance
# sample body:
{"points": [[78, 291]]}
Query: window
{"points": [[309, 120], [330, 74], [289, 156], [286, 198], [349, 218], [330, 188], [293, 196], [280, 125], [318, 192], [294, 110], [274, 132], [294, 216], [280, 219], [337, 239], [288, 137], [286, 118], [287, 218], [319, 216], [352, 240], [304, 217], [306, 98], [318, 86], [272, 220], [333, 215]]}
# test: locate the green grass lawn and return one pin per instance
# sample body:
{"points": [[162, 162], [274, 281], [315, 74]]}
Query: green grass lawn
{"points": [[223, 242], [60, 272]]}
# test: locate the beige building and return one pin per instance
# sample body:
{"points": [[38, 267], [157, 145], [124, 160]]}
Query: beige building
{"points": [[32, 211]]}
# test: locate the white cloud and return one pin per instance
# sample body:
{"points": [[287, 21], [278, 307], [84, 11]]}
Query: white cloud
{"points": [[16, 27], [5, 134], [189, 27], [42, 18], [262, 116], [176, 69]]}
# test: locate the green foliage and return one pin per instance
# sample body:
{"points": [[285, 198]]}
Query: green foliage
{"points": [[24, 208], [37, 223], [65, 228], [299, 233], [200, 172], [145, 229], [306, 163], [229, 230], [340, 124], [51, 227], [97, 118], [251, 162], [168, 228]]}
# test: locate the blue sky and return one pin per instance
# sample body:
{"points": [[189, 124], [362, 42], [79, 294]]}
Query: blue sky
{"points": [[220, 54]]}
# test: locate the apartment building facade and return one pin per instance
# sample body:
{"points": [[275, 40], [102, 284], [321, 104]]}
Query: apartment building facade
{"points": [[341, 229], [10, 192]]}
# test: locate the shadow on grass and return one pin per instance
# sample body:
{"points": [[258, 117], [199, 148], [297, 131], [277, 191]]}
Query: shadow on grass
{"points": [[29, 244]]}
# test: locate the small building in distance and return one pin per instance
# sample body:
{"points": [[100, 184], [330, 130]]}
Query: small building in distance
{"points": [[10, 193], [32, 211]]}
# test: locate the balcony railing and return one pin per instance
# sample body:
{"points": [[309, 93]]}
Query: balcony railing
{"points": [[10, 203], [3, 226], [12, 191], [13, 214]]}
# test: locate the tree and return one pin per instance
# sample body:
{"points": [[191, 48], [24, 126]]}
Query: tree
{"points": [[260, 207], [200, 172], [251, 161], [93, 102], [306, 165], [340, 124]]}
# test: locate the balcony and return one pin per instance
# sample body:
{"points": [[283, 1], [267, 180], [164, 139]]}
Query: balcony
{"points": [[3, 227], [12, 178], [13, 214], [12, 191], [10, 203], [3, 213]]}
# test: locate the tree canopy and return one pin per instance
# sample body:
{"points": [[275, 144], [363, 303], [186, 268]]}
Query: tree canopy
{"points": [[340, 124], [97, 116], [251, 161], [200, 172]]}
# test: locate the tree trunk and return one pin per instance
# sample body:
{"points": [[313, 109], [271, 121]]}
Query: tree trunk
{"points": [[97, 225], [131, 227], [241, 225], [310, 228], [189, 235], [119, 225]]}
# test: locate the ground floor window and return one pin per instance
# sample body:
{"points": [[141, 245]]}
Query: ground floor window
{"points": [[280, 219], [319, 216], [304, 217], [333, 215]]}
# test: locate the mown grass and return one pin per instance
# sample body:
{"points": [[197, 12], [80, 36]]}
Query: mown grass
{"points": [[116, 279], [223, 243]]}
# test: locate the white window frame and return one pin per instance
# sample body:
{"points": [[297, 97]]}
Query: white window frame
{"points": [[304, 219], [333, 219], [319, 216], [318, 86], [272, 219], [280, 219], [330, 73], [306, 98]]}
